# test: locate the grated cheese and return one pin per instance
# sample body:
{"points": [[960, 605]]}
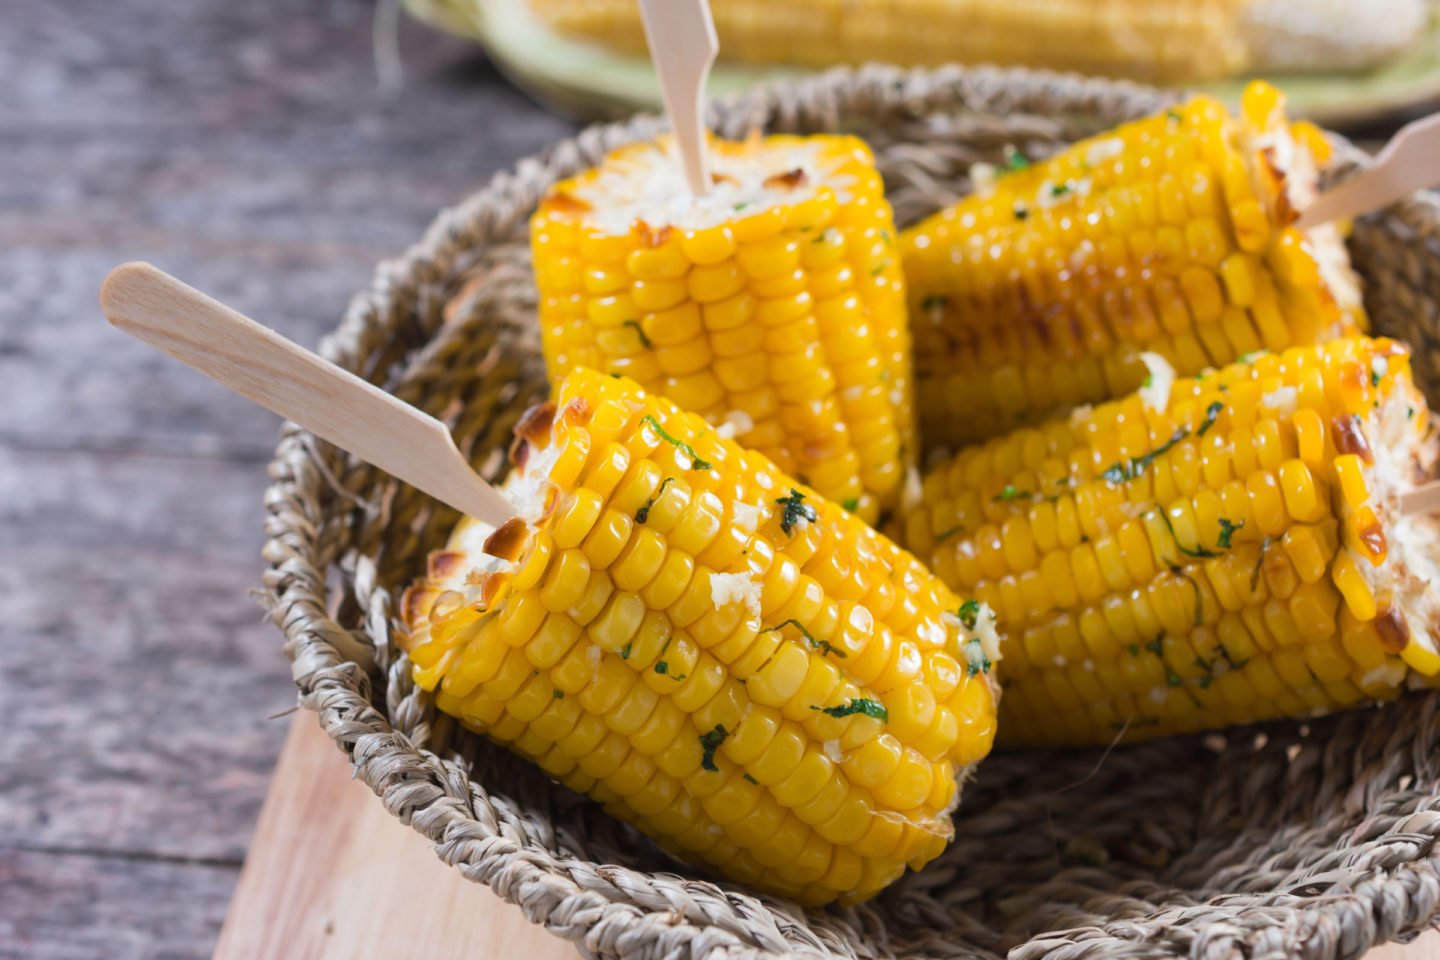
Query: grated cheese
{"points": [[728, 588], [1155, 394]]}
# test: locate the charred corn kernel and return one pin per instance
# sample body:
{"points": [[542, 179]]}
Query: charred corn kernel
{"points": [[742, 669], [1232, 543], [1055, 268], [776, 306]]}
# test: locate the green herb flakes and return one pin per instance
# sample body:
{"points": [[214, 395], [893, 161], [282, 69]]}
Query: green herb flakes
{"points": [[862, 705], [709, 743], [795, 510], [695, 462], [639, 332]]}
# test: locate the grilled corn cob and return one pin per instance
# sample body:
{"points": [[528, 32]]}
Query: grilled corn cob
{"points": [[1164, 42], [1231, 553], [774, 303], [1171, 234], [719, 656]]}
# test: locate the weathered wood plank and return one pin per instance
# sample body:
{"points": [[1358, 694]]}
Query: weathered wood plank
{"points": [[244, 148], [80, 907], [138, 673]]}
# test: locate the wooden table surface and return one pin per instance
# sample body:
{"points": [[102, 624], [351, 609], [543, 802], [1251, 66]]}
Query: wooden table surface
{"points": [[245, 147]]}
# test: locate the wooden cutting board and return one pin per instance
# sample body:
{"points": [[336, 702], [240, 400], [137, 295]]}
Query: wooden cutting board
{"points": [[332, 876]]}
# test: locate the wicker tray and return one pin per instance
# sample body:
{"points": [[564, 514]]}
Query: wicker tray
{"points": [[1300, 840]]}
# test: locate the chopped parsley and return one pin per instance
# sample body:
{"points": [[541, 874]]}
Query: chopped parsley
{"points": [[879, 268], [1014, 159], [969, 613], [1135, 466], [934, 301], [975, 659], [858, 705], [1227, 530], [1157, 646], [1198, 551], [1374, 378], [1134, 649], [643, 513], [1251, 357], [639, 332], [796, 510], [822, 645], [663, 669], [695, 462], [946, 534], [625, 651], [558, 694], [709, 743], [851, 504], [740, 206], [1409, 413], [1199, 597], [1009, 493], [1173, 116], [750, 779], [1212, 413], [1173, 678], [1021, 211], [1259, 563]]}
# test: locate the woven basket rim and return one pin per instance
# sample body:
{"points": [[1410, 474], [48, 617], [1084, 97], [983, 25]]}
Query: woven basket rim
{"points": [[611, 909]]}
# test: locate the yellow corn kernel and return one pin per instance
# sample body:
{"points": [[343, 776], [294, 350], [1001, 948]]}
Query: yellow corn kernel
{"points": [[1223, 573], [742, 669], [789, 313]]}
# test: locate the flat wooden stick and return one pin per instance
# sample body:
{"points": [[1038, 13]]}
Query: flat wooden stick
{"points": [[683, 45], [282, 376], [1421, 500], [1409, 162]]}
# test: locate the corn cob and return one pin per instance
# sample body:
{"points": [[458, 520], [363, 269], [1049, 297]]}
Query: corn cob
{"points": [[719, 656], [1234, 553], [774, 303], [1143, 39], [1171, 235]]}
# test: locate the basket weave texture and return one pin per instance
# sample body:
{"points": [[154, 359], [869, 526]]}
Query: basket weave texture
{"points": [[1313, 840]]}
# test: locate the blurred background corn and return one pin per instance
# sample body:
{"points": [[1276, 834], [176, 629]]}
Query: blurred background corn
{"points": [[1161, 41], [1171, 235], [738, 667], [774, 305], [1232, 553]]}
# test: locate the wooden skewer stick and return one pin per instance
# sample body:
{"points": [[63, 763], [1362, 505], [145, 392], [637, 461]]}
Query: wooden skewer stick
{"points": [[683, 45], [1409, 162], [1421, 500], [283, 377]]}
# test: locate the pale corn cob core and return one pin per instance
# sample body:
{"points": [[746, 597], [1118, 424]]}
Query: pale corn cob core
{"points": [[772, 306], [1170, 234], [743, 670], [1236, 555]]}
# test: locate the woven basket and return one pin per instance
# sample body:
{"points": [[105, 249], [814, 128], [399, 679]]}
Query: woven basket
{"points": [[1297, 840]]}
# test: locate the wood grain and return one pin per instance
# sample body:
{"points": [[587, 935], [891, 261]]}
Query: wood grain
{"points": [[331, 876], [83, 907], [245, 146]]}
